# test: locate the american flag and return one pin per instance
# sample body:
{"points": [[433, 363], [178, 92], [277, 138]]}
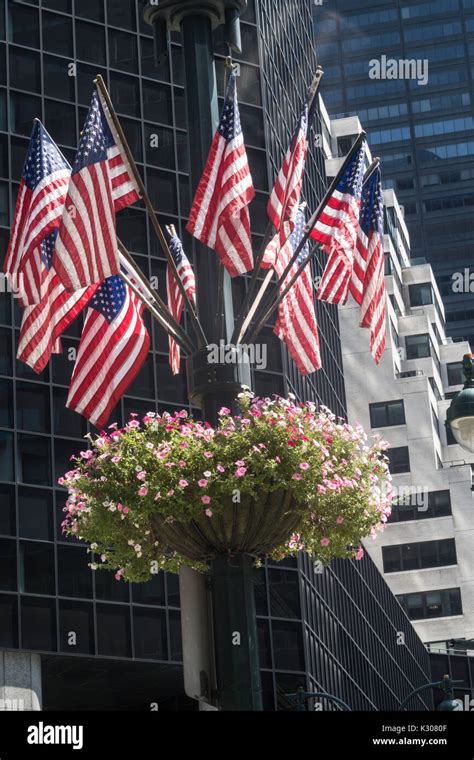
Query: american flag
{"points": [[39, 205], [101, 184], [219, 214], [175, 299], [336, 231], [296, 323], [285, 197], [372, 310], [43, 323], [114, 344]]}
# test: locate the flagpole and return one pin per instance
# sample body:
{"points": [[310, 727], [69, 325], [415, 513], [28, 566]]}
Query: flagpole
{"points": [[99, 82], [174, 328], [239, 326], [263, 288], [258, 327]]}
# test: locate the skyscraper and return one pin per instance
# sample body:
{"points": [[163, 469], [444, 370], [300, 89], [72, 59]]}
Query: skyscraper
{"points": [[406, 69], [59, 622]]}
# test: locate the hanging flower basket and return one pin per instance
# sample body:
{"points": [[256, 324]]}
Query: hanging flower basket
{"points": [[274, 480]]}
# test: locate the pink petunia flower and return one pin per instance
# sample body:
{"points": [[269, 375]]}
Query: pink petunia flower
{"points": [[296, 476], [183, 483], [339, 520], [324, 542], [206, 499], [359, 554], [141, 475], [202, 483], [304, 466], [209, 512], [220, 468], [208, 454], [143, 491], [240, 472]]}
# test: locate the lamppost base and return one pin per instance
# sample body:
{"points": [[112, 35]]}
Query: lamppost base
{"points": [[173, 11]]}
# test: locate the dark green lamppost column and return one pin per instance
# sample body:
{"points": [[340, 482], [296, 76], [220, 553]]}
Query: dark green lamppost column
{"points": [[215, 385]]}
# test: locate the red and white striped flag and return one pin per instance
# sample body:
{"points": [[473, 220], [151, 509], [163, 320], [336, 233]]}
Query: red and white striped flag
{"points": [[296, 323], [372, 310], [101, 184], [285, 196], [175, 299], [43, 323], [114, 344], [219, 214], [39, 206], [336, 231]]}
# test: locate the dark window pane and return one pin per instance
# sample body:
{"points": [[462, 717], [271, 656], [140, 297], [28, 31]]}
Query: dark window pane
{"points": [[260, 591], [391, 559], [417, 346], [19, 148], [76, 627], [122, 14], [74, 575], [57, 82], [288, 646], [7, 511], [38, 624], [159, 146], [32, 402], [284, 594], [151, 592], [125, 93], [157, 105], [109, 589], [4, 160], [35, 513], [264, 644], [170, 387], [93, 9], [8, 621], [23, 109], [63, 364], [133, 134], [176, 643], [57, 34], [410, 557], [113, 630], [149, 68], [131, 228], [25, 72], [162, 190], [6, 456], [65, 421], [37, 568], [6, 403], [455, 373], [172, 587], [150, 634], [61, 121], [399, 460], [447, 552], [90, 43], [23, 25], [3, 110], [85, 82], [7, 564], [123, 51]]}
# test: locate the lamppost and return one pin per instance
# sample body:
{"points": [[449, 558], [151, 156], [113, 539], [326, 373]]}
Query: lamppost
{"points": [[446, 685], [212, 386], [460, 414], [301, 698]]}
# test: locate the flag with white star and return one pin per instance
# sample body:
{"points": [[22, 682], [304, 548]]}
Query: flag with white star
{"points": [[219, 214], [296, 324], [101, 184], [336, 230], [370, 249], [114, 345], [39, 206]]}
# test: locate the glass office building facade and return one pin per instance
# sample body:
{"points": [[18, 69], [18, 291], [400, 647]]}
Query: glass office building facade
{"points": [[335, 630], [421, 124]]}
